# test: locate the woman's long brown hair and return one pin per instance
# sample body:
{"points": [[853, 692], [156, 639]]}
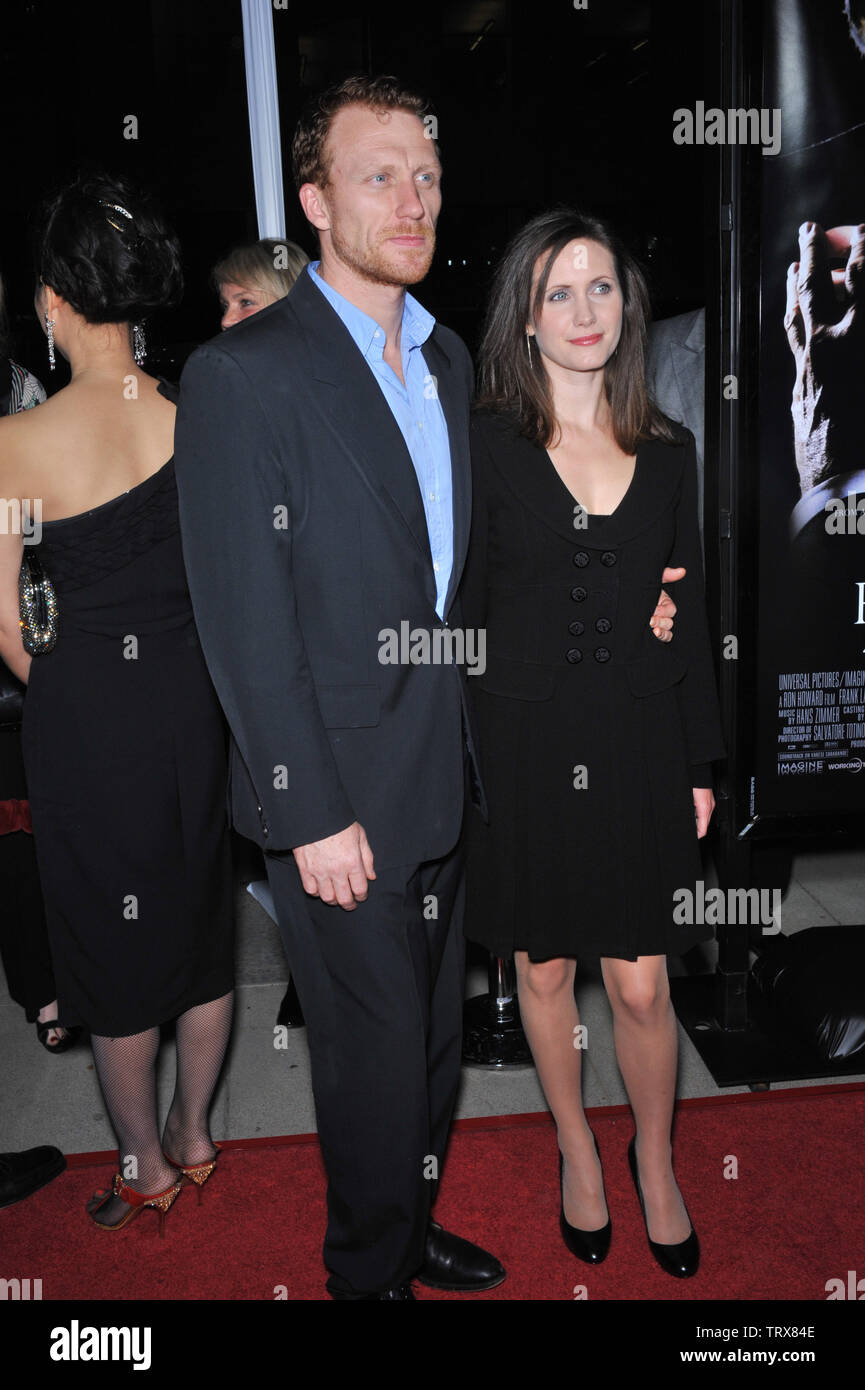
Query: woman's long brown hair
{"points": [[506, 380]]}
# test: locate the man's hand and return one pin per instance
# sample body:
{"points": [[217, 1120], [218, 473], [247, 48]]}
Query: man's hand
{"points": [[825, 328], [337, 869], [704, 805], [661, 621]]}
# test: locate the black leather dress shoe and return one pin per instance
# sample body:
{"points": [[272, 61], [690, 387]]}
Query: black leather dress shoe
{"points": [[455, 1264], [591, 1246], [23, 1174], [680, 1260]]}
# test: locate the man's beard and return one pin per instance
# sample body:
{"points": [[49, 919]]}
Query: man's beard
{"points": [[373, 265]]}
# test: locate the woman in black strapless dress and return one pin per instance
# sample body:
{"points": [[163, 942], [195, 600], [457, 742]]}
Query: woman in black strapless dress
{"points": [[123, 736], [124, 748]]}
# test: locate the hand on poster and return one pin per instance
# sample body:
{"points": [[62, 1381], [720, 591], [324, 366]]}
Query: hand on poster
{"points": [[826, 332]]}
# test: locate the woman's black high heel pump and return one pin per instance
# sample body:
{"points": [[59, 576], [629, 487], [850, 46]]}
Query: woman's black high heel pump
{"points": [[590, 1246], [679, 1260]]}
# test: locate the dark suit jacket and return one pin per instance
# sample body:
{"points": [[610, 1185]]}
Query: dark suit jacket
{"points": [[305, 538]]}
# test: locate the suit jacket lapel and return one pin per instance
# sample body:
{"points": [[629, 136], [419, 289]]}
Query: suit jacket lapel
{"points": [[354, 405], [453, 403]]}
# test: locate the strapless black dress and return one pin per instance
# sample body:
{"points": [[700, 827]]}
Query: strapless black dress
{"points": [[125, 754]]}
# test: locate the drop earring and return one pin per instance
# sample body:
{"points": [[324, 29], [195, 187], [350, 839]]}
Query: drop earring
{"points": [[139, 344], [529, 345], [49, 328]]}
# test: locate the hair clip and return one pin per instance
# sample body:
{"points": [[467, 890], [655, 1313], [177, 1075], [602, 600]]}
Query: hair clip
{"points": [[117, 208]]}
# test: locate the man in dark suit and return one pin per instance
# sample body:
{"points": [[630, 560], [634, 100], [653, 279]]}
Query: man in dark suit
{"points": [[324, 482]]}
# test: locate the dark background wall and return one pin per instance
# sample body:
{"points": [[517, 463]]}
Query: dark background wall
{"points": [[538, 102]]}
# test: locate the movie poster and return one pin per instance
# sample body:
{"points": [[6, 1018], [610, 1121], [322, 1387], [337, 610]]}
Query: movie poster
{"points": [[811, 584]]}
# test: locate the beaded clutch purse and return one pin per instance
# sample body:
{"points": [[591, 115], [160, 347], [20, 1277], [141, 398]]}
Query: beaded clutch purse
{"points": [[38, 606]]}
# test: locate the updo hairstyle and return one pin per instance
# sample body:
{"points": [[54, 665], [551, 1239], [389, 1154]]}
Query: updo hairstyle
{"points": [[104, 246]]}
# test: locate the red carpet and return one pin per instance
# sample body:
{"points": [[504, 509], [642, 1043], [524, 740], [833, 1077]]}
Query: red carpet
{"points": [[792, 1219]]}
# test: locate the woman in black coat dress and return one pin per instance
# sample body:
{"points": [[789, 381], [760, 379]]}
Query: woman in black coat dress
{"points": [[596, 739]]}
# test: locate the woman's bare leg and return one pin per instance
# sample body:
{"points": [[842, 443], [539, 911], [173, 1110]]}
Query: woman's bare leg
{"points": [[646, 1042], [550, 1019]]}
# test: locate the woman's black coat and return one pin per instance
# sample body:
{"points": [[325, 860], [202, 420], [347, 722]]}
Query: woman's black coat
{"points": [[593, 732]]}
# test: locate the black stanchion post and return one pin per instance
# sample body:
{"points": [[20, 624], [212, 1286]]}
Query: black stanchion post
{"points": [[731, 971], [493, 1035]]}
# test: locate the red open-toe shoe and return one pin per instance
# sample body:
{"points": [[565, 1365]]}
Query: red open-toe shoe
{"points": [[196, 1172], [160, 1201]]}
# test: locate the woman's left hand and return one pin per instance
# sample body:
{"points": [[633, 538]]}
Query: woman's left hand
{"points": [[704, 805]]}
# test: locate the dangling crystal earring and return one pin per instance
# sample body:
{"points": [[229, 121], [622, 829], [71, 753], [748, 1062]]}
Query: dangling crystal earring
{"points": [[529, 345], [139, 345], [49, 325]]}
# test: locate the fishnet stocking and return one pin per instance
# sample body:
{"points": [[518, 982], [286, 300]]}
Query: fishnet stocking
{"points": [[127, 1075], [202, 1037]]}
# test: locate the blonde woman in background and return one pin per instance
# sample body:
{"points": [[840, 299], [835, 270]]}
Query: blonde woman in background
{"points": [[251, 277]]}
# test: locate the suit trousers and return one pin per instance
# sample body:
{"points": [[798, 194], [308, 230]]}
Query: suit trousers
{"points": [[382, 994]]}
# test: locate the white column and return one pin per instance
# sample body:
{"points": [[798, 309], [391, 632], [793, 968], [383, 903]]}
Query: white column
{"points": [[260, 61]]}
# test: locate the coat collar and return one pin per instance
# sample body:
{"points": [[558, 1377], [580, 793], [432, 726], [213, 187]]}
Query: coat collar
{"points": [[529, 472]]}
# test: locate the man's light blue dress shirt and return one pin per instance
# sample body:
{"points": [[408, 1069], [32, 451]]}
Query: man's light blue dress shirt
{"points": [[417, 410]]}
